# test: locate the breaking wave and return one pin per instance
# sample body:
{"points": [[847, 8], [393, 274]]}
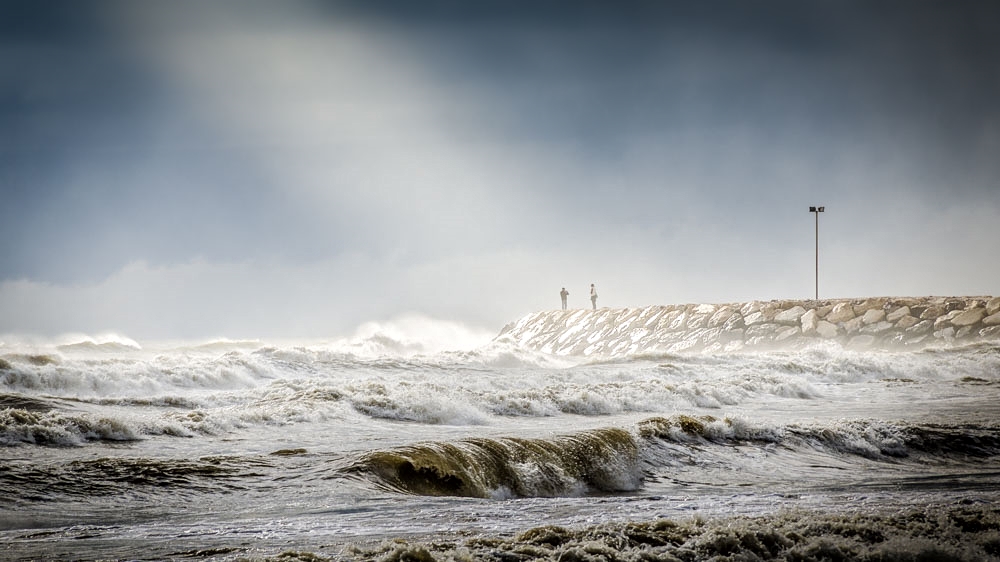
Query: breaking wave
{"points": [[966, 533], [613, 460], [604, 460]]}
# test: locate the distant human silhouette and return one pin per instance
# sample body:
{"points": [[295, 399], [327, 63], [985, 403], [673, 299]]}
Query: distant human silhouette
{"points": [[563, 294], [593, 296]]}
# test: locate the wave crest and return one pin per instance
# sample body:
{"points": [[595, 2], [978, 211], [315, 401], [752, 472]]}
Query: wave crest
{"points": [[603, 460]]}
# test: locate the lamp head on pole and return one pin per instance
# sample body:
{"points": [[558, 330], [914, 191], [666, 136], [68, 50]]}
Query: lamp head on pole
{"points": [[816, 209]]}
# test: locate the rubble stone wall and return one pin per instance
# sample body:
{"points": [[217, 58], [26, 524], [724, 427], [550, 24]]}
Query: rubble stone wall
{"points": [[871, 323]]}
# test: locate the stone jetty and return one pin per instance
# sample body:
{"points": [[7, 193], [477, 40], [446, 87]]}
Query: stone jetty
{"points": [[872, 323]]}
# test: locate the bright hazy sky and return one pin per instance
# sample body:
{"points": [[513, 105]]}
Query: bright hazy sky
{"points": [[293, 169]]}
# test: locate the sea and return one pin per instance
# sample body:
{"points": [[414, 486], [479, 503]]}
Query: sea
{"points": [[432, 441]]}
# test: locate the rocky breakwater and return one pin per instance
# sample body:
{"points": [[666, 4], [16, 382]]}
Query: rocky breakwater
{"points": [[873, 323]]}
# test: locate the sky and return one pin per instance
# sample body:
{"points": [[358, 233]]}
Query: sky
{"points": [[295, 169]]}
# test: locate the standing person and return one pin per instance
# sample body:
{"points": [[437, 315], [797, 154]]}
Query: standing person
{"points": [[593, 296], [563, 294]]}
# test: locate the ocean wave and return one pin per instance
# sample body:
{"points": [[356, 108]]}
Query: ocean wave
{"points": [[106, 476], [19, 425], [619, 460], [967, 533], [604, 460], [872, 439]]}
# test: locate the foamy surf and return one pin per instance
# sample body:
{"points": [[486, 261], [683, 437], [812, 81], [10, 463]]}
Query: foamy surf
{"points": [[337, 448]]}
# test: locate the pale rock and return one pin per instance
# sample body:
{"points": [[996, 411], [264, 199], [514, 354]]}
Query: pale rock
{"points": [[697, 321], [731, 335], [905, 322], [654, 318], [668, 319], [954, 304], [993, 306], [678, 322], [710, 335], [749, 308], [735, 322], [869, 304], [753, 318], [877, 328], [964, 331], [945, 320], [808, 321], [921, 327], [790, 317], [969, 317], [705, 309], [842, 312], [720, 317], [822, 311], [873, 315], [826, 329], [991, 332], [898, 314], [945, 334], [992, 320], [769, 309], [787, 332], [932, 312], [761, 331], [853, 325]]}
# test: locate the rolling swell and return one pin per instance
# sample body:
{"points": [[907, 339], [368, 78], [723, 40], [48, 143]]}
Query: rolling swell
{"points": [[872, 439], [109, 476], [613, 460], [603, 460]]}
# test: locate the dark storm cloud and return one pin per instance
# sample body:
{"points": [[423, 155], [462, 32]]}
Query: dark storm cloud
{"points": [[106, 162], [671, 147]]}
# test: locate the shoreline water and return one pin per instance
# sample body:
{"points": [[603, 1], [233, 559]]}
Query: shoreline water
{"points": [[503, 452]]}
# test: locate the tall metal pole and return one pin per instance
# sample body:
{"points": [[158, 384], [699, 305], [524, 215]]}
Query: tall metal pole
{"points": [[816, 211]]}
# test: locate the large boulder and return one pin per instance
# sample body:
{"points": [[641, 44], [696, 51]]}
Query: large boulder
{"points": [[920, 328], [906, 322], [869, 304], [826, 329], [877, 328], [969, 317], [932, 312], [842, 312], [873, 315], [992, 320], [789, 317], [809, 321], [993, 306], [898, 314], [853, 325], [754, 318], [720, 317]]}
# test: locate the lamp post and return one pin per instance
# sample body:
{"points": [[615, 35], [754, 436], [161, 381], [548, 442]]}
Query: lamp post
{"points": [[816, 211]]}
